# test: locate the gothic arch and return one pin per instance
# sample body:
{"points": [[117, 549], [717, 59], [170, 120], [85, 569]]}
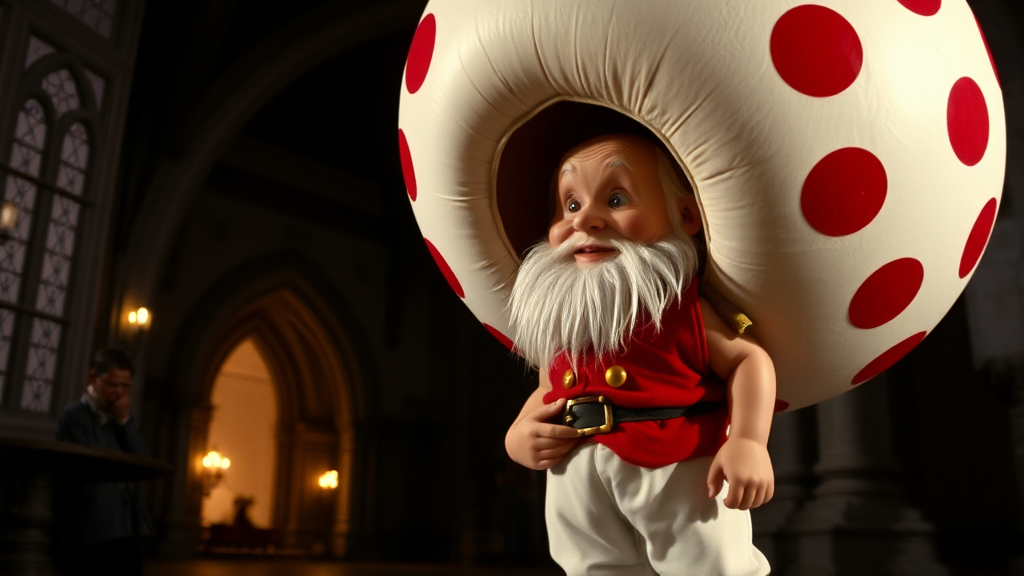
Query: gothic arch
{"points": [[310, 343]]}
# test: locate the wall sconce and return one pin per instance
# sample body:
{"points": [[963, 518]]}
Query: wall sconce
{"points": [[329, 480], [139, 319], [214, 466], [8, 220]]}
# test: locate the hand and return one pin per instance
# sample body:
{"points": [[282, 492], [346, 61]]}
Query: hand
{"points": [[120, 409], [537, 444], [745, 464]]}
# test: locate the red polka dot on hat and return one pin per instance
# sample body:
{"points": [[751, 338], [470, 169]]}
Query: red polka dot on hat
{"points": [[505, 340], [886, 359], [420, 52], [886, 293], [407, 171], [816, 51], [967, 121], [978, 238], [780, 405], [442, 264], [922, 7], [844, 192]]}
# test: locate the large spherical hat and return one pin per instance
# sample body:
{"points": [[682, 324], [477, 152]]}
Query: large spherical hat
{"points": [[847, 155]]}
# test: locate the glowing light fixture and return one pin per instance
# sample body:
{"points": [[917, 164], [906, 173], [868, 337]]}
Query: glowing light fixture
{"points": [[214, 466], [139, 318], [329, 480]]}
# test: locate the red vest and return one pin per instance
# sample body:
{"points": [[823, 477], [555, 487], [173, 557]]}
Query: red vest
{"points": [[663, 368]]}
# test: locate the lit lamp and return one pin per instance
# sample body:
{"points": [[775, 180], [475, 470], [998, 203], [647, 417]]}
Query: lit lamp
{"points": [[139, 319], [8, 220], [214, 466], [329, 480]]}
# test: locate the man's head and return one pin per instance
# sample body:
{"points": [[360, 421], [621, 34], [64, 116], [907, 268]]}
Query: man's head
{"points": [[618, 187], [619, 250], [110, 376]]}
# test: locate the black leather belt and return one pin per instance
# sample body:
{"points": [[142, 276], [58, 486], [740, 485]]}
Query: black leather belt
{"points": [[591, 415]]}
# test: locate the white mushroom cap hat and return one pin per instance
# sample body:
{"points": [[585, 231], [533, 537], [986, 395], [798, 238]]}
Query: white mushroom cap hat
{"points": [[847, 155]]}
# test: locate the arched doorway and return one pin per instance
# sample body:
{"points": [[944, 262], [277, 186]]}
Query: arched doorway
{"points": [[243, 427], [317, 382]]}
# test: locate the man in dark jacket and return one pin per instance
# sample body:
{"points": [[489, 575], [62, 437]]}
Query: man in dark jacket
{"points": [[102, 525]]}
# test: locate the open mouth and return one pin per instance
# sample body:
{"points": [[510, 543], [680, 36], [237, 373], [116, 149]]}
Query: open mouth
{"points": [[594, 250]]}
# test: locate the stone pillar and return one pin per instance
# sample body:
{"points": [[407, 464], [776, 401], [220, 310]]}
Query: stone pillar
{"points": [[858, 523], [791, 446], [183, 525]]}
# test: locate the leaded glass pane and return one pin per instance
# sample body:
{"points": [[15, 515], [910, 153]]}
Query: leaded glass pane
{"points": [[12, 262], [60, 85], [29, 138], [96, 14], [75, 150], [98, 85], [6, 330], [36, 50], [73, 159], [23, 194], [60, 246], [41, 365]]}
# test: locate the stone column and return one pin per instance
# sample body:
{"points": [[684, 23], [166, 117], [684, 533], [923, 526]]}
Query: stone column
{"points": [[791, 446], [183, 524], [858, 523]]}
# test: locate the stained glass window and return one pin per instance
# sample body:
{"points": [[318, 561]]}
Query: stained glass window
{"points": [[36, 50], [96, 14], [26, 157], [41, 365], [60, 85]]}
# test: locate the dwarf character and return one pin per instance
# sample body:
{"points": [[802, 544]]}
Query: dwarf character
{"points": [[663, 411]]}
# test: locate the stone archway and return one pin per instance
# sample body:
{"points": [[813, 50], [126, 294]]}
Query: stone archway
{"points": [[313, 349], [316, 428]]}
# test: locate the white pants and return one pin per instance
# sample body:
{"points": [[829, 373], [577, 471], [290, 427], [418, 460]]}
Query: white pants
{"points": [[607, 517]]}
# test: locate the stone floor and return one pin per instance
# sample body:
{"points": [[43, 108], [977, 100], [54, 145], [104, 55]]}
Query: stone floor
{"points": [[292, 567]]}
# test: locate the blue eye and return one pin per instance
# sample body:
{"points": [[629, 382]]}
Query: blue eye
{"points": [[618, 200], [573, 205]]}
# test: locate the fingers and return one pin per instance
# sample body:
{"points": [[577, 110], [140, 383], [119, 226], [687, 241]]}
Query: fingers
{"points": [[548, 411], [715, 478], [749, 494], [556, 431]]}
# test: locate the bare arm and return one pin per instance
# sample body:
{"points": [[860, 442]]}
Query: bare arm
{"points": [[531, 440], [750, 376]]}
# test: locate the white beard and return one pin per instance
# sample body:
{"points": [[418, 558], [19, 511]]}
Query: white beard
{"points": [[559, 306]]}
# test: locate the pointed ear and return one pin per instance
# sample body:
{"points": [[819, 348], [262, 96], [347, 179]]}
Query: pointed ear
{"points": [[690, 214]]}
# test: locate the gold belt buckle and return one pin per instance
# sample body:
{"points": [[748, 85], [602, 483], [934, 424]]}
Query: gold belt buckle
{"points": [[581, 432]]}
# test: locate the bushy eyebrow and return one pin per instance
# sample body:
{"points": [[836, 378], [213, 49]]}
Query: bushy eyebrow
{"points": [[569, 168]]}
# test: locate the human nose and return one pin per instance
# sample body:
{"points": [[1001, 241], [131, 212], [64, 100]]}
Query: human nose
{"points": [[588, 219]]}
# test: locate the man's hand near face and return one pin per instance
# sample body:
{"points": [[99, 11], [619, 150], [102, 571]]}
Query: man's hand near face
{"points": [[121, 409]]}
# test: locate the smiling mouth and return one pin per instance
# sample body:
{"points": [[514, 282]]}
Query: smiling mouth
{"points": [[594, 251]]}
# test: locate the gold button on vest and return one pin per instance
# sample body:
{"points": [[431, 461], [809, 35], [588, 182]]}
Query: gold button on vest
{"points": [[615, 376], [568, 379]]}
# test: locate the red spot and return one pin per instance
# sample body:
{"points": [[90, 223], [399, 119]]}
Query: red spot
{"points": [[886, 293], [978, 238], [967, 121], [781, 405], [887, 359], [505, 341], [844, 192], [407, 172], [445, 269], [420, 52], [816, 51], [922, 7], [991, 60]]}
